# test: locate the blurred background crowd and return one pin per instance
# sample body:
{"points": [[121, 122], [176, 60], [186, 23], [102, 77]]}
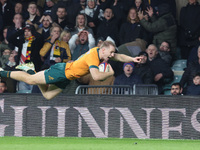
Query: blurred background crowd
{"points": [[162, 32]]}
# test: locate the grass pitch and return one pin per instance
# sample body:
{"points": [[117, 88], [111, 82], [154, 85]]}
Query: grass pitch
{"points": [[53, 143]]}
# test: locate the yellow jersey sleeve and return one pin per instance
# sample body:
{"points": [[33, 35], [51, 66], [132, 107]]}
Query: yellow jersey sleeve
{"points": [[81, 66]]}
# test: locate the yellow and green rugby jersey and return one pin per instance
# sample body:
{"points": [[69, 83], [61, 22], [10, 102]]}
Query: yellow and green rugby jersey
{"points": [[81, 66]]}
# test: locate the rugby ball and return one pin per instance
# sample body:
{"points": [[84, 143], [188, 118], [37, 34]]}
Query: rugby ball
{"points": [[104, 67]]}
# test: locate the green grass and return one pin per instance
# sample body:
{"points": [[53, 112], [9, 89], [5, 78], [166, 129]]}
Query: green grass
{"points": [[53, 143]]}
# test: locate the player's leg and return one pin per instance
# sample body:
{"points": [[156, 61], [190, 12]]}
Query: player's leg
{"points": [[34, 79], [49, 91]]}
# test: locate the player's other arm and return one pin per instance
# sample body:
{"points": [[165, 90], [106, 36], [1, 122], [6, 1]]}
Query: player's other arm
{"points": [[125, 58], [96, 75]]}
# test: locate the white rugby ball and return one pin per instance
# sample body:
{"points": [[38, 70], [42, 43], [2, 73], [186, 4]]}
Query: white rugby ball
{"points": [[104, 67]]}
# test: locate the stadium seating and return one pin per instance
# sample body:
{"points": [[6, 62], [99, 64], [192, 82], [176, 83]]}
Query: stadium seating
{"points": [[24, 91]]}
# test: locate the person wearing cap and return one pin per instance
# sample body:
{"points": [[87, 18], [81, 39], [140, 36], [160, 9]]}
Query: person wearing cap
{"points": [[28, 48], [128, 77], [143, 69]]}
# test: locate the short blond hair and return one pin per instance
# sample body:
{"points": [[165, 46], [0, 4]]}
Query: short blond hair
{"points": [[107, 44]]}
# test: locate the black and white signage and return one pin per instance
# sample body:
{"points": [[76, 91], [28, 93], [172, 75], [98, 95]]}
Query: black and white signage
{"points": [[143, 117]]}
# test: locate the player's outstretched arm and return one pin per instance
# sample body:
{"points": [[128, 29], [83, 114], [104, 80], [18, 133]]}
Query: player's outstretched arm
{"points": [[125, 58], [98, 76]]}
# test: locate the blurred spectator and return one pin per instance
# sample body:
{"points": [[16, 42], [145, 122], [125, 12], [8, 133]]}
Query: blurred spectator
{"points": [[4, 58], [81, 43], [128, 77], [55, 51], [139, 5], [1, 24], [3, 87], [132, 29], [176, 89], [164, 51], [19, 9], [4, 44], [194, 89], [189, 27], [46, 5], [18, 24], [81, 24], [87, 79], [193, 54], [161, 70], [118, 11], [28, 49], [32, 18], [143, 69], [62, 19], [7, 12], [108, 27], [65, 36], [94, 14], [163, 27], [104, 4], [192, 68], [46, 25]]}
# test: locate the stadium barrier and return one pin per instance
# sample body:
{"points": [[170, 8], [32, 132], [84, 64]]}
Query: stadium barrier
{"points": [[136, 89], [101, 116]]}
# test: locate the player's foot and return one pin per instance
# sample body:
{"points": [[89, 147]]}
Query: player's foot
{"points": [[26, 66]]}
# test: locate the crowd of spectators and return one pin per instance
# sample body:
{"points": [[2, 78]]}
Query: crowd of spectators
{"points": [[47, 32]]}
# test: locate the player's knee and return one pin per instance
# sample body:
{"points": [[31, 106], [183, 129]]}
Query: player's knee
{"points": [[47, 96]]}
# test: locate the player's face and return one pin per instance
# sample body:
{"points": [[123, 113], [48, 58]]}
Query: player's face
{"points": [[175, 90], [109, 52]]}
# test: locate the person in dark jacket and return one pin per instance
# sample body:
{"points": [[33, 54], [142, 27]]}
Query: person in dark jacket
{"points": [[143, 69], [132, 29], [194, 89], [161, 71], [163, 26], [189, 27], [28, 49], [189, 73], [36, 42], [128, 77], [108, 26]]}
